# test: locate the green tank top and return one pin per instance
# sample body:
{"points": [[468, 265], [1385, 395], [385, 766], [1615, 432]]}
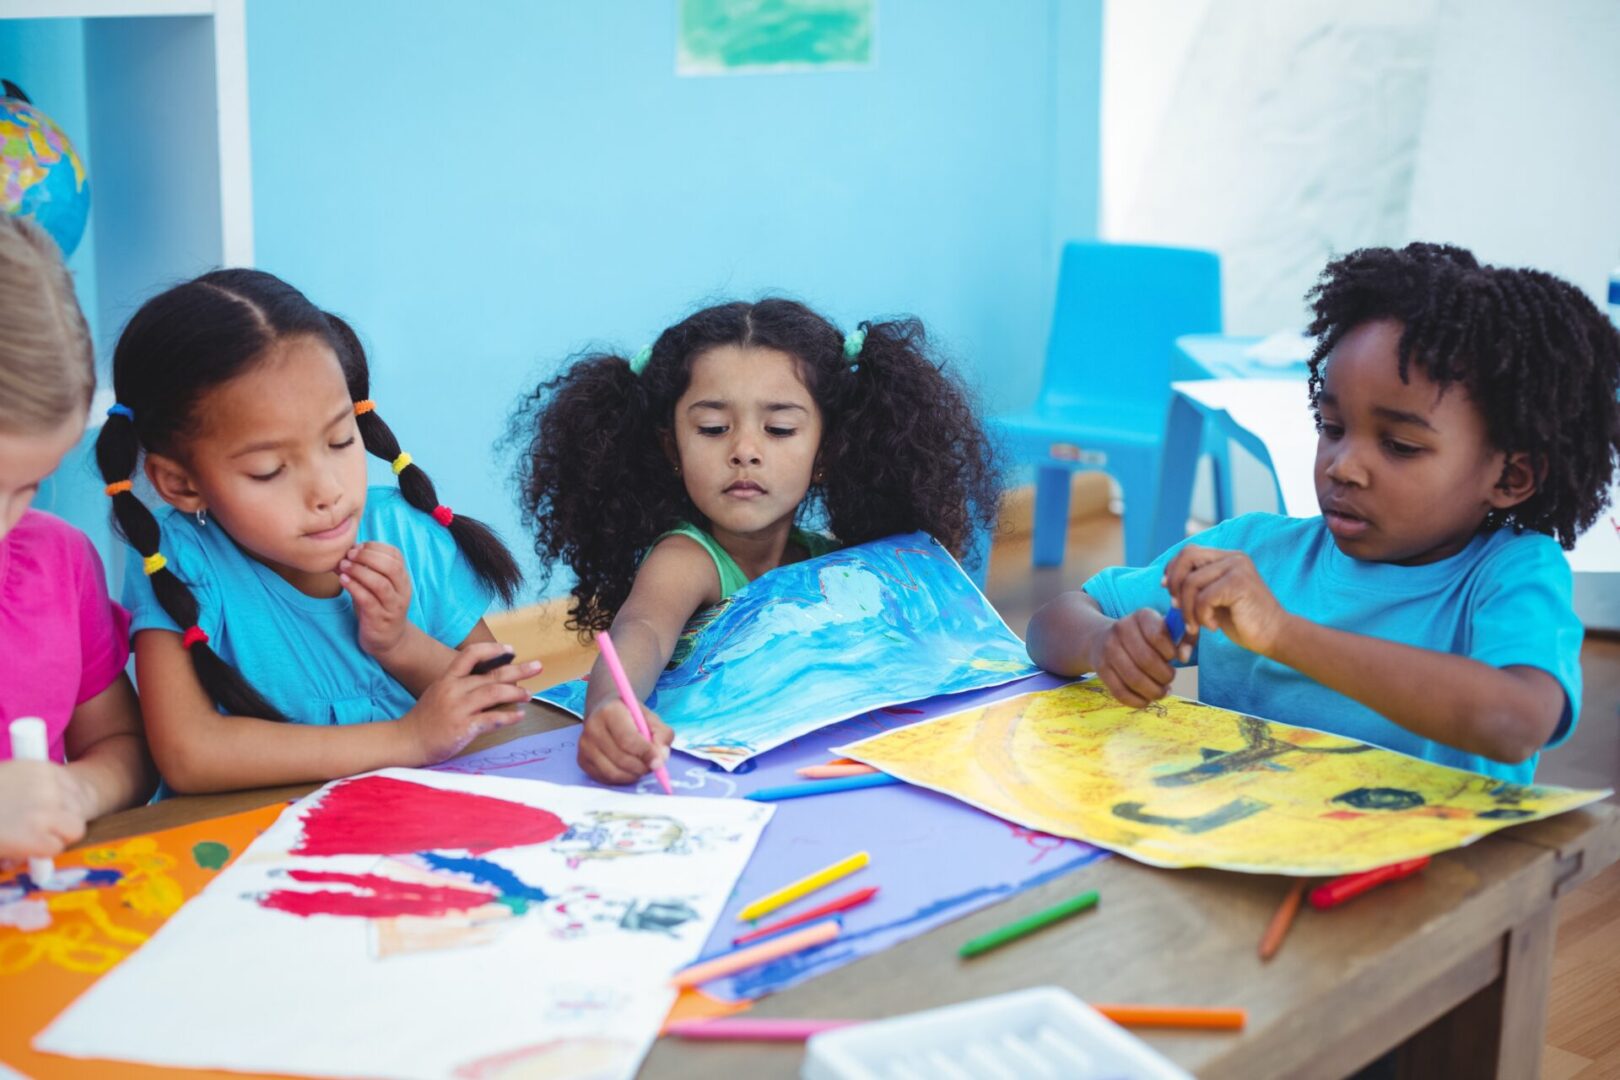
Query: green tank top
{"points": [[731, 576]]}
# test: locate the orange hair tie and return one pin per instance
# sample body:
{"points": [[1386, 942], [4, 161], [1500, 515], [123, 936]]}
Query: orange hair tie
{"points": [[365, 406], [118, 487]]}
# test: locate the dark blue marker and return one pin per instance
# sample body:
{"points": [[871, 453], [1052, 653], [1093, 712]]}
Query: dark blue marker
{"points": [[1175, 625]]}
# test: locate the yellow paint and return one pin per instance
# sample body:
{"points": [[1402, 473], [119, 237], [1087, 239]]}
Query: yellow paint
{"points": [[1182, 784]]}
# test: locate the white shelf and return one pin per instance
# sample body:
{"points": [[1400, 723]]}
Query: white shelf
{"points": [[102, 9]]}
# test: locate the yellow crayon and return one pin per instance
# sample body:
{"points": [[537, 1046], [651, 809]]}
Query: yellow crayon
{"points": [[804, 886]]}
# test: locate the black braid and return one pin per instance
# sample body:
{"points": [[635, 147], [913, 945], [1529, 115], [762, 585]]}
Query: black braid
{"points": [[117, 450], [484, 551], [1534, 353]]}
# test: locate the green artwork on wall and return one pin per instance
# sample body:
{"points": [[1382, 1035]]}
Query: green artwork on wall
{"points": [[720, 37]]}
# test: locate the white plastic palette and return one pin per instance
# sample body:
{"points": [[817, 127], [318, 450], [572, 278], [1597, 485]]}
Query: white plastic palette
{"points": [[1041, 1032]]}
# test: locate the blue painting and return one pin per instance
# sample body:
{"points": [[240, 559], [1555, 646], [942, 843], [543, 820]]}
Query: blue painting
{"points": [[816, 642]]}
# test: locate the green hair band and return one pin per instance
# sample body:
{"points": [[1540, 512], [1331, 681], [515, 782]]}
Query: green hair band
{"points": [[854, 341], [638, 362]]}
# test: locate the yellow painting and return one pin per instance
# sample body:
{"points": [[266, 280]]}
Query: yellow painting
{"points": [[1181, 784]]}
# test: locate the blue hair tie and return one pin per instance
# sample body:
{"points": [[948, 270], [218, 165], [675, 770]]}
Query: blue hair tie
{"points": [[122, 410], [638, 362]]}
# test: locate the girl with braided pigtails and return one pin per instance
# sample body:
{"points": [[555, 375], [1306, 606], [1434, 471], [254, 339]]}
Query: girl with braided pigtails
{"points": [[290, 623], [668, 480]]}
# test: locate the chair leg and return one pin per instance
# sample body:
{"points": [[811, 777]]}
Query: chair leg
{"points": [[1051, 515], [1219, 449], [1138, 476]]}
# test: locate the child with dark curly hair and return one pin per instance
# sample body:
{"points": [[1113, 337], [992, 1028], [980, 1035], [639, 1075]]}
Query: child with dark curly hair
{"points": [[668, 481], [1468, 429]]}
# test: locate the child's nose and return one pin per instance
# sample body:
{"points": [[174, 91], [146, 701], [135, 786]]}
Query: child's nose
{"points": [[745, 452], [1345, 467]]}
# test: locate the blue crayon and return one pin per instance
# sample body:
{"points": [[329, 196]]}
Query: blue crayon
{"points": [[821, 787], [1175, 624]]}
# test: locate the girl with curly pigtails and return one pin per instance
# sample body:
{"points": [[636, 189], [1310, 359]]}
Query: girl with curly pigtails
{"points": [[668, 480], [290, 624]]}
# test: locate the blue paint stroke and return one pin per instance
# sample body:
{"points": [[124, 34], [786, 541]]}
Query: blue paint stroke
{"points": [[504, 881]]}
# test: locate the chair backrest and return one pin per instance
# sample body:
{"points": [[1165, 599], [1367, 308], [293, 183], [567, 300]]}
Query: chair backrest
{"points": [[1120, 308]]}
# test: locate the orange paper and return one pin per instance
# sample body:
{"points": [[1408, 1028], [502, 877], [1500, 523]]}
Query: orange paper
{"points": [[92, 929]]}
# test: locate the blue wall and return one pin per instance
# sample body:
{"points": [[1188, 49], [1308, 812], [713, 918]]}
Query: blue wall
{"points": [[484, 189], [487, 188]]}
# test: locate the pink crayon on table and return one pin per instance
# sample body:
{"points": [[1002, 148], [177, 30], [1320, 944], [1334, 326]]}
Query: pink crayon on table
{"points": [[610, 656], [832, 772], [750, 1029]]}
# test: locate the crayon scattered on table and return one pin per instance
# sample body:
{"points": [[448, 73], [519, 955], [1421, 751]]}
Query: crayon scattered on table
{"points": [[1345, 888], [1028, 925], [1185, 1016], [1277, 929], [831, 907], [755, 955], [832, 772], [761, 1029], [804, 886], [821, 787]]}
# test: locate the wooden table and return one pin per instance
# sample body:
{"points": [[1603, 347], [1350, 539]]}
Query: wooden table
{"points": [[1451, 966]]}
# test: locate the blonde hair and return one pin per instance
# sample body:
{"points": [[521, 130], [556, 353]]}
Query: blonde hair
{"points": [[47, 365]]}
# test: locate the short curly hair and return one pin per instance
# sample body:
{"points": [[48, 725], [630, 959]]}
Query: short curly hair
{"points": [[902, 447], [1534, 353]]}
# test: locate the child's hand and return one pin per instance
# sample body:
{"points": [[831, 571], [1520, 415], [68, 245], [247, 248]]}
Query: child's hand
{"points": [[1222, 590], [611, 749], [460, 706], [1135, 660], [43, 809], [375, 577]]}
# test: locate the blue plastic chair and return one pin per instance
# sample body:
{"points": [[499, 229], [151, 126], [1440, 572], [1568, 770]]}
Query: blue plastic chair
{"points": [[1106, 386]]}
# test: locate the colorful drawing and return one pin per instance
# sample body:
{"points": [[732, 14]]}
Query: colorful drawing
{"points": [[439, 908], [816, 642], [104, 903], [1183, 784], [936, 859]]}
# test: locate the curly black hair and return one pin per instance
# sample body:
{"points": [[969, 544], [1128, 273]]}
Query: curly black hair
{"points": [[902, 446], [1535, 354]]}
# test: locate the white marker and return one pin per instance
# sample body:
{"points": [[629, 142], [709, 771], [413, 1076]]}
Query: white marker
{"points": [[28, 744]]}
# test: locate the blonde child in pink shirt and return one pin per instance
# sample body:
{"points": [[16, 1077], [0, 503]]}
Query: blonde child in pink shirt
{"points": [[63, 642]]}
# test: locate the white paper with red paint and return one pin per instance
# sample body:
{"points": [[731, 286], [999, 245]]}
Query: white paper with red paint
{"points": [[424, 924]]}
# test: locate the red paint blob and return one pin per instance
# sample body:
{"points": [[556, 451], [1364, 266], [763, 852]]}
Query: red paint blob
{"points": [[379, 898], [378, 815]]}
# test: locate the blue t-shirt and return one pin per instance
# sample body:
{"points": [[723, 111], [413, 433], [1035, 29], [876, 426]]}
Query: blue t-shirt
{"points": [[1503, 600], [303, 652]]}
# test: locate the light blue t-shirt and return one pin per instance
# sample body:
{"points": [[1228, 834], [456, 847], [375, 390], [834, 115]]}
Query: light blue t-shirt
{"points": [[303, 652], [1503, 600]]}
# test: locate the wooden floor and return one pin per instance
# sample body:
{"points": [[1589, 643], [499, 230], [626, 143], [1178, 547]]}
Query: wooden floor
{"points": [[1583, 1026]]}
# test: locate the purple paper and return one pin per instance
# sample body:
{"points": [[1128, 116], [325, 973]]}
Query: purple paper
{"points": [[934, 859]]}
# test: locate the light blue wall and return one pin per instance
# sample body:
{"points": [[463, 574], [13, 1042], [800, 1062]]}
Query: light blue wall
{"points": [[486, 188]]}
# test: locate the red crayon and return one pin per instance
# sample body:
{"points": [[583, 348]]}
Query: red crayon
{"points": [[843, 903], [1344, 888]]}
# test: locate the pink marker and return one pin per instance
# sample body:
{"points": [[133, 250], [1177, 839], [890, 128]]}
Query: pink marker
{"points": [[631, 702], [756, 1030]]}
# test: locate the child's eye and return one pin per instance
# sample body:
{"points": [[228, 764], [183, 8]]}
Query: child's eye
{"points": [[264, 477], [1329, 428], [1400, 449], [344, 445], [781, 432], [711, 431]]}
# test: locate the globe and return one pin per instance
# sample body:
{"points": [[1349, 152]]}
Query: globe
{"points": [[41, 175]]}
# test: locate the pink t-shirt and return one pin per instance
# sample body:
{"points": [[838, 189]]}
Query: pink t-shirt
{"points": [[62, 639]]}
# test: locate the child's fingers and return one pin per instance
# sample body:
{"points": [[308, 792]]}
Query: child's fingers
{"points": [[626, 737], [607, 764], [467, 658], [1126, 672], [513, 673], [1192, 583], [489, 695], [379, 585], [384, 559], [1123, 693]]}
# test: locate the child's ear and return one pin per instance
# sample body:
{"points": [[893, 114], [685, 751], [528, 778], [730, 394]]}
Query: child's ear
{"points": [[1522, 475], [173, 483]]}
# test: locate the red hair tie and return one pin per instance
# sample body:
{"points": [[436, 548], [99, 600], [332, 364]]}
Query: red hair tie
{"points": [[194, 635], [443, 515]]}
